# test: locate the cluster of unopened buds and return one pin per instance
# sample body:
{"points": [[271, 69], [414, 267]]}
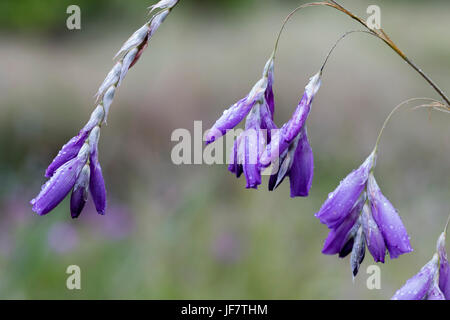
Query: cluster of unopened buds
{"points": [[358, 215]]}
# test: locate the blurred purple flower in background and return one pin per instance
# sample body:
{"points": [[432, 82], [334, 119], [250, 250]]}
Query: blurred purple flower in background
{"points": [[226, 248], [432, 282], [119, 225], [63, 237], [359, 215]]}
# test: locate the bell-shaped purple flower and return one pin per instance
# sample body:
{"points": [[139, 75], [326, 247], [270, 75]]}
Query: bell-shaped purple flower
{"points": [[289, 149], [60, 184], [237, 112], [432, 281], [79, 174], [418, 286], [359, 216]]}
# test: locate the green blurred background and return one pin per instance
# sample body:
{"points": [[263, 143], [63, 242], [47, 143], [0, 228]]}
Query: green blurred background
{"points": [[195, 231]]}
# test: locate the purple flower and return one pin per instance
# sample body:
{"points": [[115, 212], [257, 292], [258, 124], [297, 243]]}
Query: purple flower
{"points": [[432, 281], [444, 267], [78, 174], [257, 107], [62, 238], [238, 111], [417, 287], [359, 216], [247, 148], [71, 149], [60, 184], [289, 150], [388, 221]]}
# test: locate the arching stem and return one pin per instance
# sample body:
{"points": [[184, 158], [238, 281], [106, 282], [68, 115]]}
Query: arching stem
{"points": [[379, 33], [392, 113]]}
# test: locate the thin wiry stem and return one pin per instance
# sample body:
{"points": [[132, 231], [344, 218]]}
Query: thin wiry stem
{"points": [[338, 41], [383, 36], [379, 33], [394, 111], [289, 16]]}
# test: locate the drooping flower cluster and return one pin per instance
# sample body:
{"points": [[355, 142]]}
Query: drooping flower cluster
{"points": [[262, 143], [359, 215], [289, 151], [433, 280], [76, 168]]}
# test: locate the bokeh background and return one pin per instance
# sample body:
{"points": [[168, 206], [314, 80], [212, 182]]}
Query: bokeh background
{"points": [[195, 231]]}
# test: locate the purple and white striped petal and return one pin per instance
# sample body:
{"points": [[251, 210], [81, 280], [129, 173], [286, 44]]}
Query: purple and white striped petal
{"points": [[391, 226], [374, 238], [444, 267], [418, 286], [340, 202], [60, 184], [79, 198]]}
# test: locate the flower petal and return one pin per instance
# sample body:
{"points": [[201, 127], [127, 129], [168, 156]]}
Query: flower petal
{"points": [[60, 184], [435, 293], [96, 183], [71, 148], [79, 194], [338, 237], [358, 251], [391, 226], [339, 203], [302, 169], [374, 238], [418, 286], [298, 119], [444, 267]]}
